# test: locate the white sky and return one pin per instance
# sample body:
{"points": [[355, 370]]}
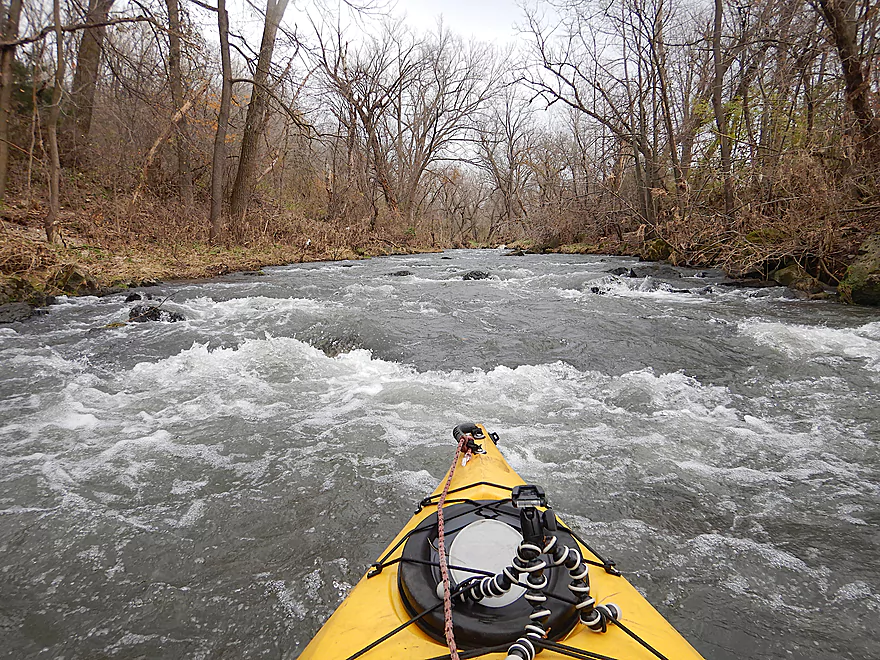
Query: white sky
{"points": [[482, 20]]}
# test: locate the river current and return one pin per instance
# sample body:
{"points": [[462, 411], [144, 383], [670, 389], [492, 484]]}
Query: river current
{"points": [[213, 488]]}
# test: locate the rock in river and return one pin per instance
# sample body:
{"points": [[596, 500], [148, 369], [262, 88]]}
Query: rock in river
{"points": [[797, 279], [861, 284], [476, 275], [143, 313]]}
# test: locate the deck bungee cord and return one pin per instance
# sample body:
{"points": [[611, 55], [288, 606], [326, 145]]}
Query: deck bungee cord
{"points": [[456, 591]]}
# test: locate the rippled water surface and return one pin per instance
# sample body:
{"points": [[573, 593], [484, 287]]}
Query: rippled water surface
{"points": [[213, 488]]}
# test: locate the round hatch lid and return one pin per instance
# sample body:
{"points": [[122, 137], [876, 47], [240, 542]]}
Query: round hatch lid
{"points": [[487, 545]]}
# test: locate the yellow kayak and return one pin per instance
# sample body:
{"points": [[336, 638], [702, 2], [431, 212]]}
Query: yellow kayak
{"points": [[519, 581]]}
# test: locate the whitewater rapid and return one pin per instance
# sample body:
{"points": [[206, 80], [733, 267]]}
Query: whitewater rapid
{"points": [[216, 486]]}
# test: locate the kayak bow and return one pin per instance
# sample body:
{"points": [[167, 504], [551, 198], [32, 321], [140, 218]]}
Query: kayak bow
{"points": [[521, 582]]}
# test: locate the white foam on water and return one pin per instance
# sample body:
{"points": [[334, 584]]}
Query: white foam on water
{"points": [[415, 483], [360, 290], [568, 294], [193, 514], [222, 311], [712, 546], [644, 288], [557, 422], [805, 341], [739, 475], [858, 590]]}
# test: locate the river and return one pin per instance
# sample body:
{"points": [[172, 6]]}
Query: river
{"points": [[212, 488]]}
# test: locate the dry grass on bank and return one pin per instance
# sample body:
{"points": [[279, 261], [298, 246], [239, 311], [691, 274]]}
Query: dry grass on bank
{"points": [[119, 247]]}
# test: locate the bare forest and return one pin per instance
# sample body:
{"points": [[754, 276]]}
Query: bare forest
{"points": [[743, 135]]}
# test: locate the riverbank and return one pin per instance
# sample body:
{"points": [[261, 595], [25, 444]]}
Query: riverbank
{"points": [[32, 270], [97, 258]]}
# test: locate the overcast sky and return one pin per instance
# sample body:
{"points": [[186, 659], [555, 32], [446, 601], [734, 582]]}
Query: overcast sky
{"points": [[484, 20]]}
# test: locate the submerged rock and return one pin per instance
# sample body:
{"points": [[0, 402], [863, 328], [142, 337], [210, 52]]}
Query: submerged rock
{"points": [[749, 283], [143, 313], [476, 275], [400, 273], [17, 311], [861, 284]]}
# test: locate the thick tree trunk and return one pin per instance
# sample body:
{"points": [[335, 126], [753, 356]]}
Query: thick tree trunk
{"points": [[51, 222], [720, 112], [839, 16], [219, 163], [256, 113], [7, 57], [85, 77], [184, 166]]}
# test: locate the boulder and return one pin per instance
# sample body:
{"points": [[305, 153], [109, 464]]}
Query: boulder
{"points": [[475, 275], [69, 279], [621, 272], [797, 279], [143, 313], [17, 311], [656, 250], [861, 284], [655, 270], [516, 253], [18, 289]]}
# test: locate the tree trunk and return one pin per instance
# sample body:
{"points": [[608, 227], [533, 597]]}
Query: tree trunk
{"points": [[51, 221], [838, 16], [256, 113], [85, 77], [677, 171], [7, 57], [219, 163], [718, 107], [184, 166]]}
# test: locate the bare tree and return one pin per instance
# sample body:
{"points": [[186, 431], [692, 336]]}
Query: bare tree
{"points": [[175, 79], [256, 113], [10, 17], [50, 224], [369, 79], [843, 18], [721, 66], [504, 146], [85, 78], [219, 161], [428, 117]]}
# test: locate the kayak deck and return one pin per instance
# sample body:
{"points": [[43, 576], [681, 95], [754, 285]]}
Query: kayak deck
{"points": [[374, 607]]}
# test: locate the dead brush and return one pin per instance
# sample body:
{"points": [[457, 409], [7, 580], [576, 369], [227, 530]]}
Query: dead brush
{"points": [[21, 254]]}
